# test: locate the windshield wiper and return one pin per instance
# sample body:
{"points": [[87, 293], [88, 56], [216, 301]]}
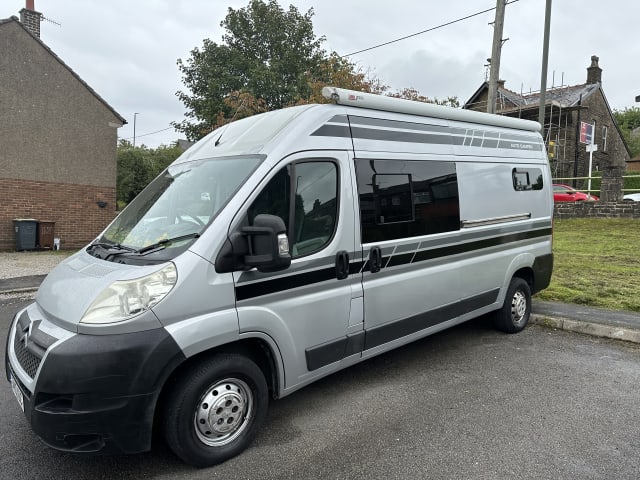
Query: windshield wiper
{"points": [[112, 246], [165, 242]]}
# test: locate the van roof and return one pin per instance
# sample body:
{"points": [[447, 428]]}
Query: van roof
{"points": [[256, 134]]}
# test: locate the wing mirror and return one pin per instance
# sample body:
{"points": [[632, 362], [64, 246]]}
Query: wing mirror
{"points": [[268, 244], [263, 245]]}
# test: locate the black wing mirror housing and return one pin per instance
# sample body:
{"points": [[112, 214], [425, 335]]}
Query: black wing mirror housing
{"points": [[263, 245]]}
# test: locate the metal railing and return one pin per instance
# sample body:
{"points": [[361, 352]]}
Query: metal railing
{"points": [[594, 190]]}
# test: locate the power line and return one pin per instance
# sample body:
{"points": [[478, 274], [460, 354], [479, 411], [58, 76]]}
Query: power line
{"points": [[427, 30], [147, 134]]}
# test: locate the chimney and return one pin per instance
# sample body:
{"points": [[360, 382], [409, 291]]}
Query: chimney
{"points": [[594, 72], [501, 84], [30, 18]]}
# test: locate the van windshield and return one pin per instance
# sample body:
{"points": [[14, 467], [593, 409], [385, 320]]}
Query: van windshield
{"points": [[177, 206]]}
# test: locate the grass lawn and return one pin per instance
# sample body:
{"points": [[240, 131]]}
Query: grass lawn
{"points": [[596, 263]]}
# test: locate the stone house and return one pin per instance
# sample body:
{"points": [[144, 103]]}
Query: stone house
{"points": [[566, 107], [58, 136]]}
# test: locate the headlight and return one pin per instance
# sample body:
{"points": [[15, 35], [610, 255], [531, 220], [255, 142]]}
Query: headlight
{"points": [[125, 299]]}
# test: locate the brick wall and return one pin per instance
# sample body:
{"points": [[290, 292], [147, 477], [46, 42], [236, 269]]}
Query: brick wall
{"points": [[624, 209], [74, 208]]}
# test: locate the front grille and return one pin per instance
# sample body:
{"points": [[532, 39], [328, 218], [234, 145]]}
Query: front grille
{"points": [[30, 344]]}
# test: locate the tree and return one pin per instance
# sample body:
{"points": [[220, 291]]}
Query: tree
{"points": [[269, 59], [137, 166], [268, 53], [629, 120], [413, 94], [339, 72]]}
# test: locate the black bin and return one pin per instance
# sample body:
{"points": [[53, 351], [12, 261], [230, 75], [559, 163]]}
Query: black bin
{"points": [[46, 232], [26, 229]]}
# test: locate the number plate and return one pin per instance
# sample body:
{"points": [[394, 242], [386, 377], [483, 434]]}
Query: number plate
{"points": [[18, 393]]}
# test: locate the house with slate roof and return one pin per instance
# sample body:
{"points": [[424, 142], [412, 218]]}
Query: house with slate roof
{"points": [[59, 137], [565, 108]]}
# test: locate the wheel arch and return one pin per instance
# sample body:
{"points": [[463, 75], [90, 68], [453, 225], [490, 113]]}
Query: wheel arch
{"points": [[258, 349]]}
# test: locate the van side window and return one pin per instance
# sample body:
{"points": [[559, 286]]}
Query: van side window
{"points": [[527, 179], [406, 198], [314, 207]]}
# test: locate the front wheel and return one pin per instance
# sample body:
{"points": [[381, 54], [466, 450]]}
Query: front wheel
{"points": [[514, 314], [214, 412]]}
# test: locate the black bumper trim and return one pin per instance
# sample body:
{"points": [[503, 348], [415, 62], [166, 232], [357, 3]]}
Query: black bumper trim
{"points": [[98, 393]]}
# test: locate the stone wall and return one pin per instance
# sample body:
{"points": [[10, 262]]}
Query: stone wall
{"points": [[623, 209]]}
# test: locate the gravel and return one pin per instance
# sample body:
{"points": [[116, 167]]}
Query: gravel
{"points": [[22, 264]]}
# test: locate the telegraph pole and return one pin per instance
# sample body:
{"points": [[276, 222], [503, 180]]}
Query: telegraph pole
{"points": [[545, 60], [134, 128], [496, 51]]}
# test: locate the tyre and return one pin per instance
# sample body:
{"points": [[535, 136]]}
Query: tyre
{"points": [[214, 411], [514, 314]]}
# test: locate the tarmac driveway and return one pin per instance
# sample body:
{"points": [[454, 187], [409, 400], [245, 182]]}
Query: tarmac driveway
{"points": [[465, 403]]}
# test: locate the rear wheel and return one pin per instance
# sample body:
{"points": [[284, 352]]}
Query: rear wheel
{"points": [[514, 314], [214, 412]]}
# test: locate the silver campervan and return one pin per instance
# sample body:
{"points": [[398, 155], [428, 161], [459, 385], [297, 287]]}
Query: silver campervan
{"points": [[277, 250]]}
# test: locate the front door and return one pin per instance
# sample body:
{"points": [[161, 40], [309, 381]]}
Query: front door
{"points": [[306, 308]]}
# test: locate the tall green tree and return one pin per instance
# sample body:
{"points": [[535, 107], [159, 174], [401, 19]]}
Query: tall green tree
{"points": [[269, 58], [268, 52]]}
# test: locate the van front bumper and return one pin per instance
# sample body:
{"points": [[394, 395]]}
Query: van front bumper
{"points": [[98, 393]]}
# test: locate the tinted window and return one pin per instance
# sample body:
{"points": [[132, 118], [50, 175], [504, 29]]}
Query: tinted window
{"points": [[314, 207], [392, 194], [527, 179], [401, 199]]}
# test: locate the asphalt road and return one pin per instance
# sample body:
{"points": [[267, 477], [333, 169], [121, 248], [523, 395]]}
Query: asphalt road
{"points": [[465, 403]]}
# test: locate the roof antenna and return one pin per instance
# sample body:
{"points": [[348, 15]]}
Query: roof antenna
{"points": [[232, 119]]}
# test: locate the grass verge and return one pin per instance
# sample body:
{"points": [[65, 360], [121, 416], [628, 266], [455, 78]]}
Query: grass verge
{"points": [[596, 263]]}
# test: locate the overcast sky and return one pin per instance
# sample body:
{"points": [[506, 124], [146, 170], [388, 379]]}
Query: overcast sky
{"points": [[127, 50]]}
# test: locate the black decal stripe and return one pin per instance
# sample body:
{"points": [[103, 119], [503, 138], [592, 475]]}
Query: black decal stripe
{"points": [[425, 134], [355, 267], [401, 259], [397, 124], [479, 245], [279, 284], [332, 131], [398, 136], [386, 333]]}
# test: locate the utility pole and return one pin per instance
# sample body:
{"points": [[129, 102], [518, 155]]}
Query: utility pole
{"points": [[134, 128], [496, 51], [545, 61]]}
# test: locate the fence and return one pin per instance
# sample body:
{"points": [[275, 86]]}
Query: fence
{"points": [[600, 209]]}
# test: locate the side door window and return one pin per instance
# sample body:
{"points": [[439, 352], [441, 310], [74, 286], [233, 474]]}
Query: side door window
{"points": [[311, 213]]}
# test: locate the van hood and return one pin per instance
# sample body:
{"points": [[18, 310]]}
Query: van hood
{"points": [[70, 288]]}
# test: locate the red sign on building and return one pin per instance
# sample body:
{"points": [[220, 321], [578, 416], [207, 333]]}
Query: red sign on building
{"points": [[586, 133]]}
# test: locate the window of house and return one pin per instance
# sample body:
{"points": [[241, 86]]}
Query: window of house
{"points": [[526, 179], [406, 198], [604, 138], [313, 207]]}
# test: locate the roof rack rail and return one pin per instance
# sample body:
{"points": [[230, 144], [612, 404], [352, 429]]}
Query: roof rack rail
{"points": [[354, 98]]}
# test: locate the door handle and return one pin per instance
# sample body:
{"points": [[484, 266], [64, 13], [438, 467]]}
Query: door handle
{"points": [[375, 259], [342, 265]]}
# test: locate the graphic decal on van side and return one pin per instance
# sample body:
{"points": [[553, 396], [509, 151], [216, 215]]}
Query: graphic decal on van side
{"points": [[245, 291], [407, 132]]}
